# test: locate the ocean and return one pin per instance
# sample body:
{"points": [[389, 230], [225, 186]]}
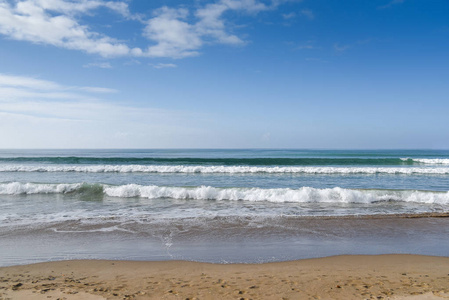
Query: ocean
{"points": [[245, 205]]}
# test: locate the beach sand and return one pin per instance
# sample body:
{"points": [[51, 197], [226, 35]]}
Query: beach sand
{"points": [[341, 277]]}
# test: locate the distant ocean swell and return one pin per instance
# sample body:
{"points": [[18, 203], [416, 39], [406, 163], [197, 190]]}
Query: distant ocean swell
{"points": [[300, 195], [223, 169], [272, 161]]}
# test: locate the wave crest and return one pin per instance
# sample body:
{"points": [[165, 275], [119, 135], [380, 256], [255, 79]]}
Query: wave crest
{"points": [[430, 161], [17, 188], [300, 195], [223, 169]]}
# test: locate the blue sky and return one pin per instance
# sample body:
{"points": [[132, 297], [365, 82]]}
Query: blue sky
{"points": [[224, 74]]}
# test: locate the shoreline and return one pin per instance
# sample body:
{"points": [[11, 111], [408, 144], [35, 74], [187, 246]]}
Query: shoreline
{"points": [[387, 276], [226, 240], [423, 215]]}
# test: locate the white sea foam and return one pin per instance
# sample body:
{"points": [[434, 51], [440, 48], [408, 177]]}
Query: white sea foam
{"points": [[300, 195], [16, 188], [429, 161], [222, 169]]}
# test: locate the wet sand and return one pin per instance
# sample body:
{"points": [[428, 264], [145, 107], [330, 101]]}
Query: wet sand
{"points": [[396, 276]]}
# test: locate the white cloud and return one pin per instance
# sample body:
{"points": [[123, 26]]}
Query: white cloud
{"points": [[46, 114], [163, 66], [20, 88], [52, 22], [102, 65], [14, 94], [176, 37], [173, 32], [308, 14], [28, 82], [94, 89], [173, 35], [341, 48], [289, 16], [71, 8], [211, 24], [132, 62]]}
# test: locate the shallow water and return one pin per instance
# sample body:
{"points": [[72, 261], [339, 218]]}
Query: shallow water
{"points": [[225, 240]]}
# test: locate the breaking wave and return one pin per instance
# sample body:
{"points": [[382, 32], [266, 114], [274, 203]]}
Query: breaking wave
{"points": [[300, 195], [222, 169], [17, 188], [430, 161]]}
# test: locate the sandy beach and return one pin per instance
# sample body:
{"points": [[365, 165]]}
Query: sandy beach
{"points": [[340, 277]]}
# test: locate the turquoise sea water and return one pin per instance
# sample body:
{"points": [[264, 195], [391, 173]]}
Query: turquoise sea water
{"points": [[159, 200]]}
